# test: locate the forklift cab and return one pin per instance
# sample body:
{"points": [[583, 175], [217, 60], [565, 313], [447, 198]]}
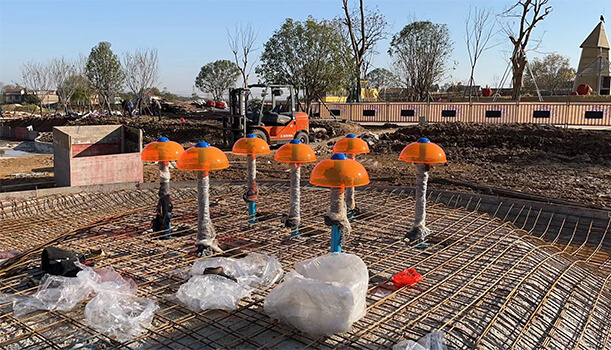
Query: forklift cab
{"points": [[277, 105], [273, 115]]}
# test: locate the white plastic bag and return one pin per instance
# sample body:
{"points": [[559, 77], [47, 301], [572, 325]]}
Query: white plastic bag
{"points": [[324, 295], [121, 315], [211, 292], [431, 341]]}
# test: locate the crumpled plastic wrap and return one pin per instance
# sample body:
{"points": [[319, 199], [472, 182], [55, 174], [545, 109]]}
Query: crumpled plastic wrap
{"points": [[431, 341], [204, 292], [211, 292], [253, 270], [121, 315], [58, 293], [324, 295], [114, 309]]}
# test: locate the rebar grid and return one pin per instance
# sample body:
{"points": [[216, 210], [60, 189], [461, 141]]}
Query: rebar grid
{"points": [[519, 278]]}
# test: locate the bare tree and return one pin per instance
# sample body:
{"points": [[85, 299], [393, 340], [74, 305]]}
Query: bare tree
{"points": [[141, 70], [37, 78], [479, 29], [365, 28], [61, 69], [242, 44], [529, 13]]}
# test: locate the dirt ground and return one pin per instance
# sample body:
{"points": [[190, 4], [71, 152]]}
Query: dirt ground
{"points": [[508, 160]]}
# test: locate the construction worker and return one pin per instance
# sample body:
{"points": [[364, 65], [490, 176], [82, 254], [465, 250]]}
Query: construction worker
{"points": [[156, 108]]}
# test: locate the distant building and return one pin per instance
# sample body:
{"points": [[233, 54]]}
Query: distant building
{"points": [[594, 68], [14, 96]]}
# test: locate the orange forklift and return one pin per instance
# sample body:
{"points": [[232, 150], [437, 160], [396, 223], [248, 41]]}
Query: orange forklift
{"points": [[271, 117]]}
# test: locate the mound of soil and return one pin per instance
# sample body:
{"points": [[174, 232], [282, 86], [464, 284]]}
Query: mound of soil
{"points": [[189, 131], [321, 130], [44, 124], [521, 143]]}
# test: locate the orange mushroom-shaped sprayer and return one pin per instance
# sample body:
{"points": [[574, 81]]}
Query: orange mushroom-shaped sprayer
{"points": [[203, 158], [338, 172], [251, 146], [424, 154], [163, 151], [295, 153], [351, 146]]}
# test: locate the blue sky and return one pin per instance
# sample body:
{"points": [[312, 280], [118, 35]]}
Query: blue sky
{"points": [[189, 34]]}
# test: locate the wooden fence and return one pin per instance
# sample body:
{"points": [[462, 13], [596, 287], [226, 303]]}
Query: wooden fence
{"points": [[558, 113]]}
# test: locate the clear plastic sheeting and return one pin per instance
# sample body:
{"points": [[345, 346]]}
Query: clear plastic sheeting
{"points": [[203, 292], [211, 292], [121, 315], [324, 295], [114, 309], [58, 293], [431, 341], [255, 269]]}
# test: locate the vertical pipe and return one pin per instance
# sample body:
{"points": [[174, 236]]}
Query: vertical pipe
{"points": [[350, 199], [421, 182], [336, 237], [339, 222], [294, 218], [419, 231], [164, 192], [252, 212], [206, 235], [251, 168]]}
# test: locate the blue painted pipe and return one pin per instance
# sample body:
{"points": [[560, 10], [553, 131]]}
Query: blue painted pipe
{"points": [[295, 232], [169, 231], [252, 212], [336, 238]]}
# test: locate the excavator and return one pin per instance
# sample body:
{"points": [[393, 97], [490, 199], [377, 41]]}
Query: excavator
{"points": [[272, 118]]}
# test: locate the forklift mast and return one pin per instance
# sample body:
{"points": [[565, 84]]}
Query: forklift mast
{"points": [[237, 123]]}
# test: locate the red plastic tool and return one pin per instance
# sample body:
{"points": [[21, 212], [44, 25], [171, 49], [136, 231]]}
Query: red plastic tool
{"points": [[406, 278]]}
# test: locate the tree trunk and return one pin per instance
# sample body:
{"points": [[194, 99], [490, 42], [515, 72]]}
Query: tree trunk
{"points": [[41, 108], [518, 77], [471, 82], [358, 84]]}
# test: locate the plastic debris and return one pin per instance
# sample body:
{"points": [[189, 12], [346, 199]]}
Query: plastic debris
{"points": [[255, 269], [213, 291], [324, 295], [431, 341], [121, 315], [58, 293], [114, 309], [406, 277]]}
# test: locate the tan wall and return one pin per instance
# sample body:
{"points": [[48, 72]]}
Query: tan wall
{"points": [[558, 113]]}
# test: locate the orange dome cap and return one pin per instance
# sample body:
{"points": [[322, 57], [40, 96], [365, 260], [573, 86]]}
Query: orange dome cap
{"points": [[295, 152], [339, 171], [351, 145], [203, 157], [250, 144], [423, 151], [162, 150]]}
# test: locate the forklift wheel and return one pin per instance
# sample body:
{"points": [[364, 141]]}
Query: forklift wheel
{"points": [[260, 134], [303, 137]]}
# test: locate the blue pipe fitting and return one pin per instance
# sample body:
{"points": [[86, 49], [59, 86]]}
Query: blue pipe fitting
{"points": [[252, 212], [295, 232], [336, 239]]}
